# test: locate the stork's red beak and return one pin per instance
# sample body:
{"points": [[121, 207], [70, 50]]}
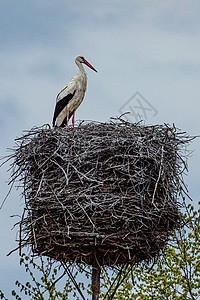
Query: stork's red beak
{"points": [[89, 65]]}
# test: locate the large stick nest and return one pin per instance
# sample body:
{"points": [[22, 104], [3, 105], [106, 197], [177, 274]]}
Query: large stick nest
{"points": [[105, 191]]}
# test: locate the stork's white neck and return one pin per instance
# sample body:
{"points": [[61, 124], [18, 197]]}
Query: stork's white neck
{"points": [[81, 68]]}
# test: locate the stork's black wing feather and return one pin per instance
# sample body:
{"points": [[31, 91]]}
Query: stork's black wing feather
{"points": [[60, 105]]}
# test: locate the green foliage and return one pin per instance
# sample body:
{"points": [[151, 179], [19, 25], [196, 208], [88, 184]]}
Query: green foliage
{"points": [[176, 275], [45, 287]]}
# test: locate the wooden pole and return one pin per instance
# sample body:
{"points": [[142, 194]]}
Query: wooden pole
{"points": [[96, 270]]}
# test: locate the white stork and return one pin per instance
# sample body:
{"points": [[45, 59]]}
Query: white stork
{"points": [[71, 96]]}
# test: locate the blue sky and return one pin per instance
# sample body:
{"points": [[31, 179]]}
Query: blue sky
{"points": [[150, 47]]}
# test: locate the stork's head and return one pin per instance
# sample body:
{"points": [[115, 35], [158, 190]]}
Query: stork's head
{"points": [[82, 60]]}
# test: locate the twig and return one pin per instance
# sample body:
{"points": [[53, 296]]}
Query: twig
{"points": [[72, 279], [157, 181]]}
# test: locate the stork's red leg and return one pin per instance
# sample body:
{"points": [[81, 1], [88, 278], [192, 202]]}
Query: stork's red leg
{"points": [[73, 118], [67, 117]]}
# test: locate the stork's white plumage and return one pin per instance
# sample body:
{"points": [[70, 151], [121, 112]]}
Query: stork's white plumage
{"points": [[71, 96]]}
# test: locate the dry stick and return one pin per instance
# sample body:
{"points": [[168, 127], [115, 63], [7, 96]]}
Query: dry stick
{"points": [[60, 277], [66, 177], [20, 234], [72, 279], [7, 194], [13, 251], [156, 185], [120, 281], [118, 275], [86, 214]]}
